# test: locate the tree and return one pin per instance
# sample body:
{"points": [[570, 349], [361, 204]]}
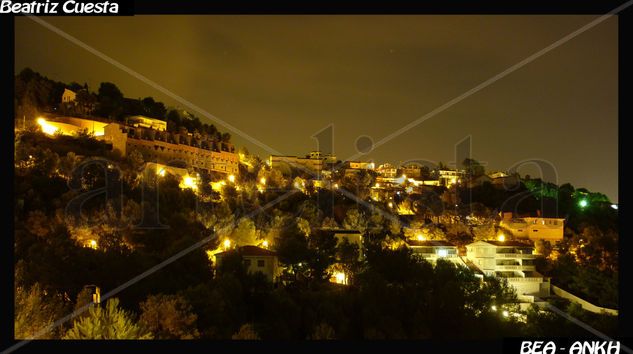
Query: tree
{"points": [[543, 247], [110, 101], [111, 322], [355, 220], [322, 249], [329, 223], [85, 101], [245, 232], [35, 313], [246, 332], [168, 317], [323, 331], [292, 244], [473, 168]]}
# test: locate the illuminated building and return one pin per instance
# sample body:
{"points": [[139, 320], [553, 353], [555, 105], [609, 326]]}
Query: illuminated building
{"points": [[534, 228], [256, 260], [511, 260], [164, 147], [315, 162]]}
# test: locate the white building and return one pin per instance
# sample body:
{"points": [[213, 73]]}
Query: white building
{"points": [[511, 260], [450, 177], [68, 96], [387, 170]]}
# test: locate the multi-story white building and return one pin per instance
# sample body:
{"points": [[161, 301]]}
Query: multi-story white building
{"points": [[450, 177], [387, 170], [511, 260]]}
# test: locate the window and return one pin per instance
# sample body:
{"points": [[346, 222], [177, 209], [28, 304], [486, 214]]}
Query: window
{"points": [[247, 262], [260, 263]]}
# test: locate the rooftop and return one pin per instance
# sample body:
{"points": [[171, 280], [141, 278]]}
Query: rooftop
{"points": [[509, 243], [250, 251], [430, 243]]}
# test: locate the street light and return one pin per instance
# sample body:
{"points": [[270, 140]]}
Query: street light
{"points": [[583, 203]]}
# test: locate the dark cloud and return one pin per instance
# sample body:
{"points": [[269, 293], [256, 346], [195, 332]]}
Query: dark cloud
{"points": [[283, 78]]}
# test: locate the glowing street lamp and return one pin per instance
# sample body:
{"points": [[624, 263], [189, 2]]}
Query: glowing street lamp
{"points": [[265, 244], [262, 180], [227, 244], [583, 203], [232, 178], [501, 237], [614, 206], [420, 237]]}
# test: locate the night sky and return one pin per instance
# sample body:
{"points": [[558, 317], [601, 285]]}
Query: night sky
{"points": [[281, 79]]}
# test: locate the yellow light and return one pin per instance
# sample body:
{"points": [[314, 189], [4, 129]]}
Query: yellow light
{"points": [[390, 204], [336, 185], [46, 128], [262, 180], [227, 243], [420, 237], [161, 172], [493, 307], [501, 237], [265, 244], [340, 278], [93, 244], [506, 314], [377, 185], [232, 178], [189, 182]]}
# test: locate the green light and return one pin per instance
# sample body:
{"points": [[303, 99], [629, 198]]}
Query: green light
{"points": [[583, 203]]}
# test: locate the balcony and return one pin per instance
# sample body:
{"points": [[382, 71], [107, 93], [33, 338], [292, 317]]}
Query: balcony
{"points": [[515, 255], [502, 267]]}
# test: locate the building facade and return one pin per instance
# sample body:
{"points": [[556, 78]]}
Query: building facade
{"points": [[511, 260], [313, 162], [450, 177], [256, 260], [170, 148], [68, 96], [535, 228]]}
